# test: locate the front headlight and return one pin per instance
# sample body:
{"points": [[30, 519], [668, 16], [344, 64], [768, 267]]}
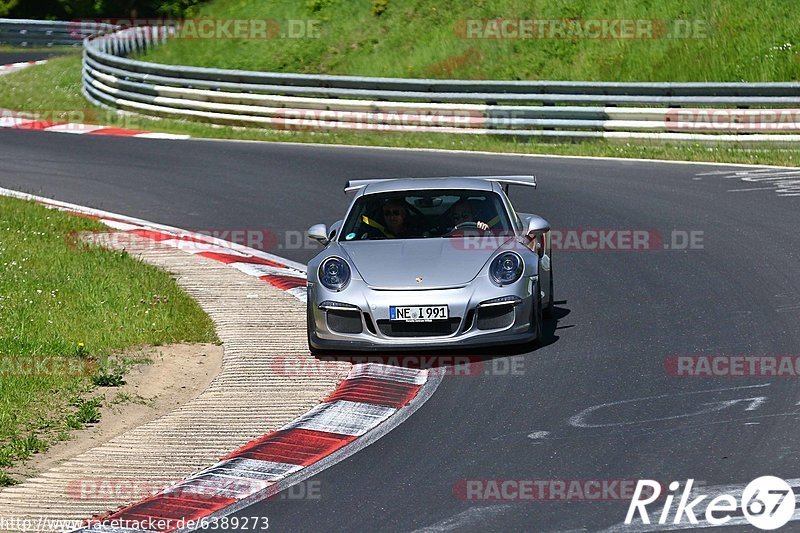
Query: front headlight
{"points": [[334, 273], [506, 268]]}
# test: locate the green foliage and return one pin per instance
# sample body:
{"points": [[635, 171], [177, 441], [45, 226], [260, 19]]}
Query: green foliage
{"points": [[379, 7], [315, 6], [69, 9], [109, 378], [178, 8], [6, 480], [6, 6], [88, 410]]}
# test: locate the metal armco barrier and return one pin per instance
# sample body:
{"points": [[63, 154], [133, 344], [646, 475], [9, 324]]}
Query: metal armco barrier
{"points": [[713, 112], [47, 33]]}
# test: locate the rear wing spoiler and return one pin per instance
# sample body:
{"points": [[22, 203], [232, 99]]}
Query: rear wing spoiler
{"points": [[525, 181]]}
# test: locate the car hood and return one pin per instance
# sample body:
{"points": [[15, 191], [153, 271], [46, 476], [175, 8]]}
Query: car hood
{"points": [[398, 264]]}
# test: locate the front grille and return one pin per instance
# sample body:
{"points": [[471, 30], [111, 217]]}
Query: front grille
{"points": [[437, 328], [344, 321], [495, 317]]}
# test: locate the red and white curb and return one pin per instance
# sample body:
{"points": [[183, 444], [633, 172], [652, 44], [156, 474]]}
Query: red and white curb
{"points": [[29, 121], [12, 67], [371, 401], [352, 417]]}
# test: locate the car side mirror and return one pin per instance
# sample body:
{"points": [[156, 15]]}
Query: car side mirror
{"points": [[537, 225], [318, 232]]}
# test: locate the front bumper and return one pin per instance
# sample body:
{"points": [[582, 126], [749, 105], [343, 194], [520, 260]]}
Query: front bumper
{"points": [[358, 317]]}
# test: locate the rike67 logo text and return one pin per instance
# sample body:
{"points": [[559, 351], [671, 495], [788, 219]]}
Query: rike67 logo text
{"points": [[767, 502]]}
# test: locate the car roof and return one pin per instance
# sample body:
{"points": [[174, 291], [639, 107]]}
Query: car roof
{"points": [[417, 184]]}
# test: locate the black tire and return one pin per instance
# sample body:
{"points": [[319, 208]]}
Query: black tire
{"points": [[311, 349], [549, 309], [538, 316]]}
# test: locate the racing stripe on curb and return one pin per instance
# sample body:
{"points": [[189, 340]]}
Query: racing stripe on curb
{"points": [[375, 391], [359, 404], [298, 447]]}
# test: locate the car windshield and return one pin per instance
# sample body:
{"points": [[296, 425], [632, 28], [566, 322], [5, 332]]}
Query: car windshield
{"points": [[425, 214]]}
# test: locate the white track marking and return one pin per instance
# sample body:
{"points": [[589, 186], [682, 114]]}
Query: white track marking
{"points": [[579, 420], [785, 182], [536, 435]]}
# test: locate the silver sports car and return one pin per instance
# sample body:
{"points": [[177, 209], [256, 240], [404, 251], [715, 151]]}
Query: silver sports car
{"points": [[430, 263]]}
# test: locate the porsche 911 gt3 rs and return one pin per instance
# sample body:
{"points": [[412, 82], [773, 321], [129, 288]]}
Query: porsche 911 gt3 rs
{"points": [[430, 263]]}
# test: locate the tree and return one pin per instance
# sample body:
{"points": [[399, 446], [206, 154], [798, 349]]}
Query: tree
{"points": [[76, 9], [6, 6]]}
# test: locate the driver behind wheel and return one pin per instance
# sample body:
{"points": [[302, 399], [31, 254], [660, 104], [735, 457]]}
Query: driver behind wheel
{"points": [[461, 212]]}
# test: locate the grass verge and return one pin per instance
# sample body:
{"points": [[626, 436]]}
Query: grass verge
{"points": [[65, 309]]}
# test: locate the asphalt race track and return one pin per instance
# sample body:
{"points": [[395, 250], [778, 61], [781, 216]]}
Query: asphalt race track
{"points": [[22, 55], [621, 315]]}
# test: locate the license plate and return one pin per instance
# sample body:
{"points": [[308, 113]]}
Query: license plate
{"points": [[418, 313]]}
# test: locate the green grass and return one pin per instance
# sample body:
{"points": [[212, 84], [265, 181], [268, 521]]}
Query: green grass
{"points": [[418, 38], [58, 83], [65, 308]]}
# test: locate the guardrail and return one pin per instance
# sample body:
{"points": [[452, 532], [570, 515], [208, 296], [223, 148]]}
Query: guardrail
{"points": [[47, 33], [575, 110]]}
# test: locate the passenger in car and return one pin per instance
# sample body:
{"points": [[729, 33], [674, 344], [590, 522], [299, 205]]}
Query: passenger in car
{"points": [[395, 213]]}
